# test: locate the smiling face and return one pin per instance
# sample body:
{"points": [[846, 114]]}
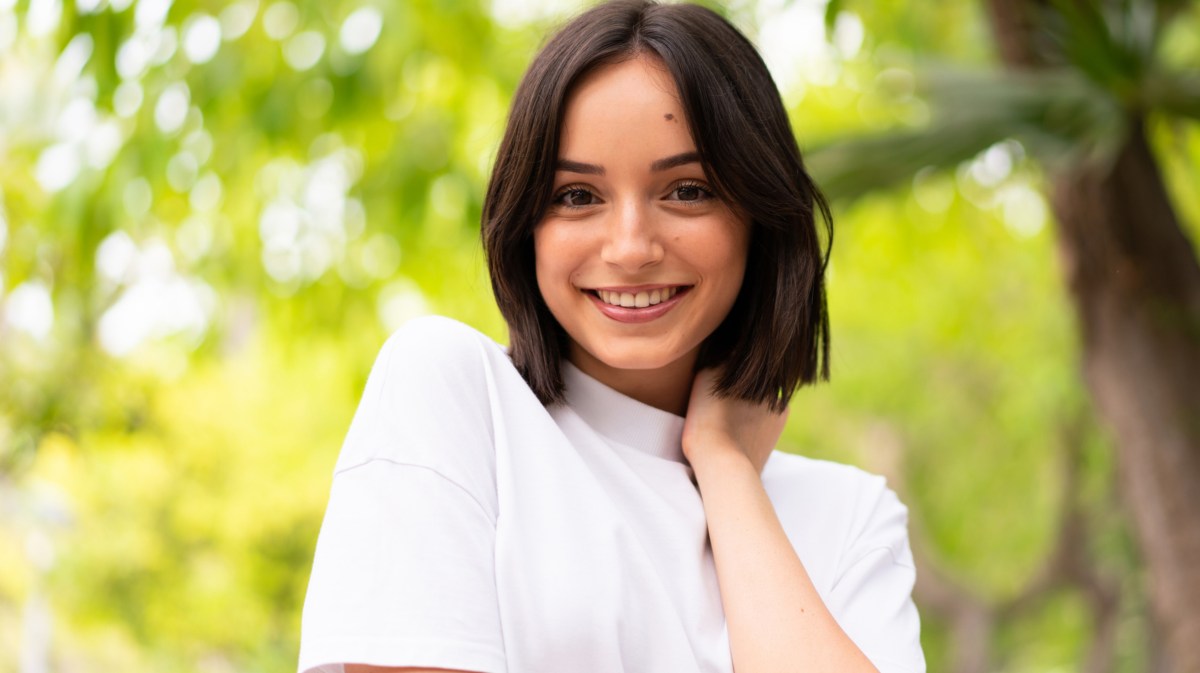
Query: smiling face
{"points": [[637, 258]]}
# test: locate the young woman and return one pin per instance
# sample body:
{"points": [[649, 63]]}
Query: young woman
{"points": [[603, 495]]}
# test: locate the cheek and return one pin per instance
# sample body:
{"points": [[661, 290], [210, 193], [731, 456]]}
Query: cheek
{"points": [[722, 252], [552, 261]]}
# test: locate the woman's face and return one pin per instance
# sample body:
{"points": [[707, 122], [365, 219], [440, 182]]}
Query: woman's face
{"points": [[636, 257]]}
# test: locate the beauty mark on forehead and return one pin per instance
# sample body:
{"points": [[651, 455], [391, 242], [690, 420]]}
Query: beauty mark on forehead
{"points": [[669, 117]]}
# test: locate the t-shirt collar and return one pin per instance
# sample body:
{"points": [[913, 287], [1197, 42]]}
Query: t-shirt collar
{"points": [[623, 419]]}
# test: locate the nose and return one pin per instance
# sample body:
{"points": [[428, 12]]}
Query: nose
{"points": [[631, 240]]}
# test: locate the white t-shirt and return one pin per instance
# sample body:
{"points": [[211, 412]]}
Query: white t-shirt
{"points": [[469, 527]]}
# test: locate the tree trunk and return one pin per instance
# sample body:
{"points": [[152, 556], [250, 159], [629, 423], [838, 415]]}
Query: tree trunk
{"points": [[1135, 284], [1136, 288]]}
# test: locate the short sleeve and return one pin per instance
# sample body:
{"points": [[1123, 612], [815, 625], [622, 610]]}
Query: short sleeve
{"points": [[404, 569], [872, 593], [402, 576]]}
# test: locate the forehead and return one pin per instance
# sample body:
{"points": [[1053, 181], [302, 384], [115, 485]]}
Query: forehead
{"points": [[629, 105]]}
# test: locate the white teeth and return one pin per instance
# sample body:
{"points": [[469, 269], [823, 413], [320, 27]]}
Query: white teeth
{"points": [[637, 300]]}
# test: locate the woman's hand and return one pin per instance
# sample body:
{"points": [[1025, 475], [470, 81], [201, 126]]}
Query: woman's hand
{"points": [[717, 426], [776, 618]]}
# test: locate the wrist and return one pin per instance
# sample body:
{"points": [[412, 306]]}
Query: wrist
{"points": [[717, 456]]}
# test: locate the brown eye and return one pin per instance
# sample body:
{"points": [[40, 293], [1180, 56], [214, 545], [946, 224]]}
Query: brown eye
{"points": [[579, 197], [575, 197], [691, 193]]}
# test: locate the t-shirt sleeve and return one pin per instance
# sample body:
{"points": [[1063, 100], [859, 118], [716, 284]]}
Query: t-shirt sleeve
{"points": [[404, 570], [872, 593]]}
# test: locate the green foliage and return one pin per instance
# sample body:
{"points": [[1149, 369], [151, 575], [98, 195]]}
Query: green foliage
{"points": [[225, 232]]}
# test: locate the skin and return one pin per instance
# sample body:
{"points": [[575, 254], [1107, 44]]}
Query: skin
{"points": [[616, 221]]}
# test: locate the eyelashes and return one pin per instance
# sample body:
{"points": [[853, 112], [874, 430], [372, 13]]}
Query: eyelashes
{"points": [[569, 196], [690, 193]]}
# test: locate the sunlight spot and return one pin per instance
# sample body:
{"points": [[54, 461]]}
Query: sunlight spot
{"points": [[381, 255], [279, 224], [194, 237], [155, 260], [151, 14], [282, 264], [29, 309], [970, 188], [1024, 210], [118, 6], [993, 165], [115, 256], [8, 31], [304, 50], [400, 302], [42, 17], [127, 99], [200, 144], [156, 307], [280, 20], [206, 194], [316, 254], [137, 198], [172, 108], [360, 30], [76, 120], [181, 171], [73, 58], [326, 190], [237, 18], [201, 38], [166, 42], [88, 6], [303, 227], [133, 56], [848, 34], [101, 147], [792, 42], [57, 167], [355, 218]]}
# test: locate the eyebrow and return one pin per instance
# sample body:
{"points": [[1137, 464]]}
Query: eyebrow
{"points": [[664, 164]]}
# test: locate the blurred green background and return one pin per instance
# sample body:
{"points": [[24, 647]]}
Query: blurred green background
{"points": [[212, 214]]}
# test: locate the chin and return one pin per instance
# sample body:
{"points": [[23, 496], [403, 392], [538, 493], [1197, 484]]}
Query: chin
{"points": [[635, 358]]}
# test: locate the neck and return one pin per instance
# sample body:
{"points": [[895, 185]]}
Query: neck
{"points": [[667, 388]]}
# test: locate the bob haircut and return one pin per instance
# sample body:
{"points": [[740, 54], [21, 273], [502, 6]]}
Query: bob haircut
{"points": [[776, 336]]}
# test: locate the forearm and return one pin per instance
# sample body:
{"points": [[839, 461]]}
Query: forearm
{"points": [[776, 619]]}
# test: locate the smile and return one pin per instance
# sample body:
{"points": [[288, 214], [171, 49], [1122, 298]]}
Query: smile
{"points": [[640, 299], [637, 304]]}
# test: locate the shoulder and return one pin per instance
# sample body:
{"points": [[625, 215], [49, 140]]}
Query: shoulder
{"points": [[823, 478], [430, 396], [438, 340], [435, 353], [851, 531], [841, 506]]}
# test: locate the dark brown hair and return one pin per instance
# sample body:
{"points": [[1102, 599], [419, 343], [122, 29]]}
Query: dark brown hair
{"points": [[776, 336]]}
